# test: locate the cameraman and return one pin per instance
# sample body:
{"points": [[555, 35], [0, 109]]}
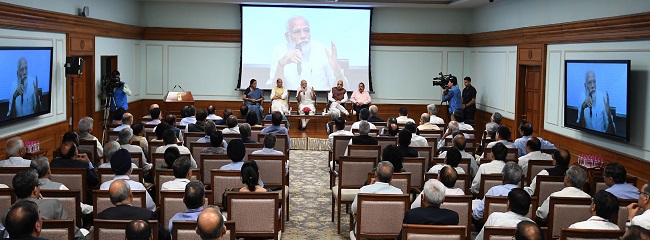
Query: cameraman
{"points": [[120, 92], [469, 100], [451, 94]]}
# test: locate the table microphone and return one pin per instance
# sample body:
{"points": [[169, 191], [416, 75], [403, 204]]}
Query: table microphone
{"points": [[299, 47]]}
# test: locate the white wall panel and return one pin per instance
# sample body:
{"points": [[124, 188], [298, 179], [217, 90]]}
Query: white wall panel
{"points": [[128, 61], [493, 72], [154, 70]]}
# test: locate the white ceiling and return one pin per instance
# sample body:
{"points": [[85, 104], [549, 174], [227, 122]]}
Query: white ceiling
{"points": [[458, 4]]}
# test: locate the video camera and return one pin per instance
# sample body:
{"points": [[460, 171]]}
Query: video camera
{"points": [[109, 83], [443, 80]]}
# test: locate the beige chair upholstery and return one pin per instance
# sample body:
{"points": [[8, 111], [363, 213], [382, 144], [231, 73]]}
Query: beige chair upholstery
{"points": [[534, 167], [8, 173], [101, 201], [590, 234], [158, 159], [399, 180], [565, 211], [256, 214], [230, 136], [488, 181], [416, 166], [222, 180], [498, 233], [546, 185], [212, 162], [186, 230], [191, 137], [136, 158], [171, 202], [352, 175], [251, 147], [196, 148], [73, 178], [89, 147], [273, 172], [426, 153], [58, 229], [153, 145], [384, 141], [7, 198], [463, 206], [426, 232], [339, 144], [281, 143], [379, 215], [106, 174], [621, 218], [70, 200], [114, 229], [365, 151], [431, 133]]}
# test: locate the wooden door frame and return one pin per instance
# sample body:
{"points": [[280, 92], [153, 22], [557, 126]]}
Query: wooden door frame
{"points": [[529, 55]]}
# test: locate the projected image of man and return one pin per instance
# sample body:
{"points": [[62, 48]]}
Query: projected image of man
{"points": [[595, 112], [25, 99], [300, 57]]}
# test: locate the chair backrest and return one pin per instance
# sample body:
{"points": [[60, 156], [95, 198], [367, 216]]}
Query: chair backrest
{"points": [[384, 141], [430, 133], [7, 198], [196, 148], [598, 182], [136, 158], [365, 151], [262, 221], [102, 201], [426, 153], [166, 175], [488, 181], [471, 133], [114, 229], [73, 178], [464, 163], [186, 230], [424, 232], [149, 134], [272, 169], [352, 171], [70, 200], [463, 181], [512, 154], [500, 204], [399, 180], [255, 132], [230, 136], [339, 144], [252, 147], [57, 229], [372, 212], [105, 174], [191, 137], [113, 135], [564, 211], [621, 218], [222, 180], [416, 166], [469, 142], [498, 233], [534, 167], [90, 147], [158, 159], [546, 185], [463, 206], [212, 162], [373, 132], [433, 143], [153, 145], [572, 233], [171, 202], [7, 174]]}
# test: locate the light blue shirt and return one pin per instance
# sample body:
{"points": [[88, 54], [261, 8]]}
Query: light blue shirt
{"points": [[278, 130], [479, 207], [120, 127], [188, 120], [520, 143], [188, 215], [454, 98], [624, 191]]}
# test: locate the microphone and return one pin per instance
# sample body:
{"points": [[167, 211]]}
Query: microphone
{"points": [[299, 47], [174, 87], [179, 86], [592, 103]]}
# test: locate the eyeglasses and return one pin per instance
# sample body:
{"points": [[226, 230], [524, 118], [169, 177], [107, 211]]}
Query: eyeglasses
{"points": [[297, 31]]}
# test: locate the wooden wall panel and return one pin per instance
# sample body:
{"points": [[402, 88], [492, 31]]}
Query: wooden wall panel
{"points": [[192, 34], [48, 136]]}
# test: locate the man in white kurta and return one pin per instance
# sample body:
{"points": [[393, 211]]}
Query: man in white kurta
{"points": [[573, 181]]}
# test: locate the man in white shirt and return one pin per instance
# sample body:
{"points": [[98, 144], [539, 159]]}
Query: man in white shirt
{"points": [[190, 115], [211, 114], [363, 115], [383, 176], [448, 177], [452, 158], [533, 147], [127, 120], [459, 117], [121, 165], [573, 180], [125, 137], [603, 206], [459, 142], [403, 116], [231, 123], [416, 140], [339, 124], [518, 206], [561, 160], [182, 173], [425, 124], [15, 150], [156, 115], [495, 166], [85, 133], [306, 100], [503, 136], [642, 220], [511, 177], [433, 115], [169, 138], [109, 149]]}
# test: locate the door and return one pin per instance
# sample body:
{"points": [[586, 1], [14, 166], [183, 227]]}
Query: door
{"points": [[533, 97], [80, 91]]}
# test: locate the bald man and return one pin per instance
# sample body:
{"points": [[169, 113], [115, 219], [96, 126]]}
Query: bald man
{"points": [[138, 230], [210, 224], [122, 197], [127, 120], [16, 150]]}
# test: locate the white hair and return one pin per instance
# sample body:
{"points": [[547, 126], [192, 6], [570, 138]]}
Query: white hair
{"points": [[364, 127], [434, 191], [13, 146]]}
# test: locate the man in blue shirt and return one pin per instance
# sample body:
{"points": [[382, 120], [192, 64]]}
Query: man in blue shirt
{"points": [[615, 179], [120, 93], [526, 131], [276, 120], [452, 95], [194, 200], [512, 174]]}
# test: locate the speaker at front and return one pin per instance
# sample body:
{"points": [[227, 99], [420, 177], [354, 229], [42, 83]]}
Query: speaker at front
{"points": [[74, 65]]}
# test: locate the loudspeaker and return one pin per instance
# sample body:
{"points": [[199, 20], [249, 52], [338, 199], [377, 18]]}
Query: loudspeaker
{"points": [[74, 65]]}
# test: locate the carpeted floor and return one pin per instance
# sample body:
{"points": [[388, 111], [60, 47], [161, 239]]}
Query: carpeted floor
{"points": [[310, 199]]}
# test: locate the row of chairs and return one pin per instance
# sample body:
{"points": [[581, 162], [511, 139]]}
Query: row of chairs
{"points": [[416, 231]]}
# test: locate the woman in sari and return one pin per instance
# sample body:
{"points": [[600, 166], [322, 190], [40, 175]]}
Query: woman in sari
{"points": [[253, 99]]}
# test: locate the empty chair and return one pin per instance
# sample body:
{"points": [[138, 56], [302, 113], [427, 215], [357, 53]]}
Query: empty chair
{"points": [[339, 145], [212, 162], [422, 232], [256, 214]]}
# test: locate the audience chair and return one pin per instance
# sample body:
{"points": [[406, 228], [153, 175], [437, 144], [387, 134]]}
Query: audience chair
{"points": [[136, 158], [57, 229], [106, 174], [7, 198], [597, 182], [512, 154], [186, 230], [379, 215], [114, 229], [565, 211], [469, 142], [251, 147], [70, 200], [212, 162], [488, 181], [546, 185], [166, 175], [421, 231], [498, 233], [273, 172], [384, 141], [7, 174], [149, 134], [102, 201], [463, 206], [339, 145], [222, 180], [351, 177], [113, 135], [152, 149], [191, 137], [195, 150], [171, 202], [230, 136], [433, 144], [267, 123], [550, 151], [500, 204], [416, 166], [89, 147], [399, 180], [534, 167], [463, 182], [373, 132], [158, 159], [572, 233], [281, 142], [365, 151], [431, 133], [426, 153], [621, 218], [256, 214], [73, 178]]}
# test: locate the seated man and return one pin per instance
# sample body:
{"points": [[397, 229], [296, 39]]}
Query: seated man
{"points": [[459, 142], [363, 138], [209, 128], [171, 120], [403, 116], [109, 149], [338, 96], [363, 115], [360, 99], [127, 120], [156, 116], [404, 141], [433, 115], [517, 206], [169, 138], [276, 127], [306, 102], [85, 133], [615, 177], [527, 230], [15, 150], [243, 111], [24, 221], [236, 152], [199, 125], [210, 224], [573, 180], [561, 160], [170, 156], [430, 213], [374, 110], [121, 166], [603, 206], [211, 110], [526, 131], [269, 144], [502, 136], [339, 125], [416, 140], [511, 176], [452, 157], [245, 132], [71, 158], [383, 176], [459, 117], [495, 166], [138, 136], [182, 175], [533, 147], [642, 220], [231, 123], [425, 123], [42, 167], [279, 95], [125, 138], [452, 130], [138, 230], [194, 200], [216, 141], [448, 177], [190, 115]]}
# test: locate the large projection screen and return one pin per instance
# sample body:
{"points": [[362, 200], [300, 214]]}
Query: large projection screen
{"points": [[319, 45]]}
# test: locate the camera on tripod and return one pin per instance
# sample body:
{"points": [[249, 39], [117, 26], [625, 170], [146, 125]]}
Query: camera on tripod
{"points": [[109, 83], [442, 80]]}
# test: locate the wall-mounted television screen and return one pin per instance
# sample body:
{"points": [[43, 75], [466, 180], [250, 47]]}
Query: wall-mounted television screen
{"points": [[26, 80], [596, 97]]}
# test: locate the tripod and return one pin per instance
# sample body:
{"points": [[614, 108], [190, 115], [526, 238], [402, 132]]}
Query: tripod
{"points": [[107, 108]]}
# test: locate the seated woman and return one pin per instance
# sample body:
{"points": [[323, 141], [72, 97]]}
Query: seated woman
{"points": [[252, 120], [393, 154], [391, 128], [279, 98], [250, 175], [253, 99]]}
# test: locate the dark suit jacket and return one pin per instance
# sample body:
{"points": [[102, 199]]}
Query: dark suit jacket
{"points": [[430, 216], [409, 152], [248, 140], [364, 140], [375, 119], [128, 212], [196, 127], [91, 175]]}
